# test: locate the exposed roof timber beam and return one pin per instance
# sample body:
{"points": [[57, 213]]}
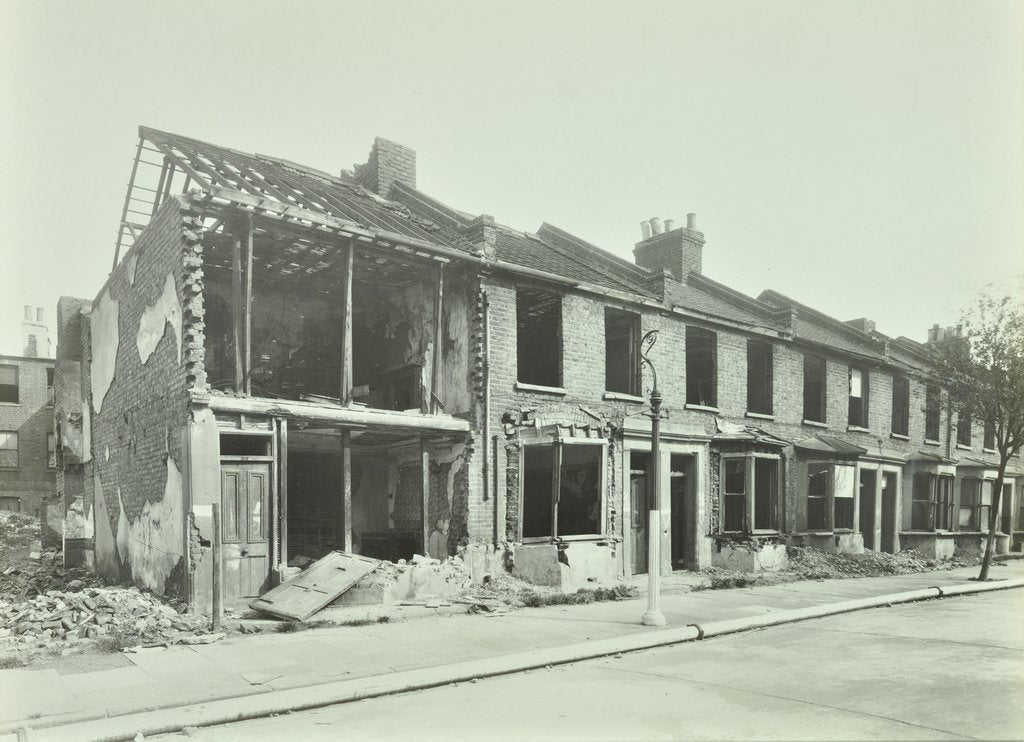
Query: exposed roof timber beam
{"points": [[183, 164], [127, 200]]}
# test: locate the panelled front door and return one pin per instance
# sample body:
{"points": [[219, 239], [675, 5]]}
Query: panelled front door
{"points": [[639, 483], [245, 528]]}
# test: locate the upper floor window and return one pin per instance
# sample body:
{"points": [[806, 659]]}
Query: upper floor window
{"points": [[562, 490], [621, 356], [539, 337], [8, 449], [900, 405], [701, 367], [760, 377], [51, 451], [49, 386], [814, 388], [858, 397], [9, 384], [989, 441], [963, 427], [932, 409]]}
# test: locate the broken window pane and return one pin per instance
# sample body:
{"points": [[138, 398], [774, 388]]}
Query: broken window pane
{"points": [[817, 496], [944, 502], [814, 388], [538, 337], [760, 378], [621, 360], [900, 405], [579, 497], [538, 475], [766, 494], [701, 371], [858, 406]]}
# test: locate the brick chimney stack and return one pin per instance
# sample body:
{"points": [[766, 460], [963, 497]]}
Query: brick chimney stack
{"points": [[680, 251], [389, 162]]}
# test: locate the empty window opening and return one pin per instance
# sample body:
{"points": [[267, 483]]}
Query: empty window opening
{"points": [[701, 367], [844, 490], [232, 444], [683, 501], [931, 502], [539, 337], [760, 377], [315, 503], [562, 490], [963, 427], [900, 405], [621, 357], [51, 451], [766, 494], [734, 495], [975, 504], [858, 403], [932, 410], [817, 497], [9, 384], [49, 386], [814, 388]]}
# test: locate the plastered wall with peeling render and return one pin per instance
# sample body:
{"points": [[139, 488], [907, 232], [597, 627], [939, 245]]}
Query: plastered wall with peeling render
{"points": [[136, 381]]}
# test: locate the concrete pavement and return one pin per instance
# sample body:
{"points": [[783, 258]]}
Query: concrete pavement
{"points": [[371, 659], [944, 669]]}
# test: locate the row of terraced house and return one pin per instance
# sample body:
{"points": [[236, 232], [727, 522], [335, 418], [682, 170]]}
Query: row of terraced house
{"points": [[340, 361]]}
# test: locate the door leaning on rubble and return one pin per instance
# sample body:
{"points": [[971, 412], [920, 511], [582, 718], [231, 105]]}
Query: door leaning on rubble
{"points": [[245, 519]]}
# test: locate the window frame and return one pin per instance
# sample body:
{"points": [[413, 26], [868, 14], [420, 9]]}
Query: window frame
{"points": [[932, 413], [899, 423], [862, 405], [51, 375], [694, 334], [822, 392], [938, 502], [16, 448], [16, 385], [556, 486], [750, 493], [830, 498], [764, 351], [631, 321], [963, 423]]}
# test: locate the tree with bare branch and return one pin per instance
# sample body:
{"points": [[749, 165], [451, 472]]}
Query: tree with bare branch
{"points": [[984, 372]]}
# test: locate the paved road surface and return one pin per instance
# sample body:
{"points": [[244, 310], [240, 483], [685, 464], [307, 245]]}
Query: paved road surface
{"points": [[943, 669]]}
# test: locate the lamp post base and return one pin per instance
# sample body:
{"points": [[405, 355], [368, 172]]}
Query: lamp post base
{"points": [[653, 618]]}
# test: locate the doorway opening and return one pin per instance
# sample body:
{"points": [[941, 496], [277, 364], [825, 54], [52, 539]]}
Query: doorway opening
{"points": [[889, 512], [868, 480], [639, 494], [682, 492]]}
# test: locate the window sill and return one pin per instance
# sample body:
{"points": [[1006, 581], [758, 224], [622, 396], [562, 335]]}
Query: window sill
{"points": [[10, 404], [857, 429], [899, 436], [814, 423], [760, 416], [623, 397], [538, 389], [536, 540], [988, 450], [701, 408], [962, 447], [931, 443]]}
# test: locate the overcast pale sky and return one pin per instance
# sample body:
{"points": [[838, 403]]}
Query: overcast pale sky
{"points": [[865, 158]]}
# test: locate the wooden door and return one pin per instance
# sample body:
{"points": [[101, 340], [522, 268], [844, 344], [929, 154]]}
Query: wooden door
{"points": [[245, 528], [638, 492]]}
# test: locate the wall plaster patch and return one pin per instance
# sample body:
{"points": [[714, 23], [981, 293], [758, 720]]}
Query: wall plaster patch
{"points": [[153, 541], [104, 330], [154, 320]]}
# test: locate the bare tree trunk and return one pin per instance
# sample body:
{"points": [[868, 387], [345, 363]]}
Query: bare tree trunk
{"points": [[993, 519]]}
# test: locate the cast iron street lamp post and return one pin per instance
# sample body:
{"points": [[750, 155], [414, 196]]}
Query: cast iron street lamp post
{"points": [[653, 615]]}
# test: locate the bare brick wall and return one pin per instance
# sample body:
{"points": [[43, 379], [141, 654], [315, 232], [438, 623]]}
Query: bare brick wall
{"points": [[137, 433], [32, 418]]}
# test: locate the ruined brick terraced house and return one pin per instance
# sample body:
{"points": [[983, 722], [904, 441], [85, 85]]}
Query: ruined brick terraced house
{"points": [[344, 362]]}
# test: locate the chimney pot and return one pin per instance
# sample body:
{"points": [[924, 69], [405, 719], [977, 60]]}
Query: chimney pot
{"points": [[39, 314], [670, 224], [645, 230], [691, 221], [655, 225], [28, 313]]}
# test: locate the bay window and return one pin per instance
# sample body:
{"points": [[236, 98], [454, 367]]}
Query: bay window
{"points": [[562, 490]]}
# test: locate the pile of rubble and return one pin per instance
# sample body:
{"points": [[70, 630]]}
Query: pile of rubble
{"points": [[82, 612]]}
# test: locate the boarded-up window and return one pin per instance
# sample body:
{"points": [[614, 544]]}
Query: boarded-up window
{"points": [[701, 367], [858, 402], [621, 359], [932, 408], [760, 377], [814, 388], [539, 337], [8, 449], [9, 384], [562, 490], [900, 405]]}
